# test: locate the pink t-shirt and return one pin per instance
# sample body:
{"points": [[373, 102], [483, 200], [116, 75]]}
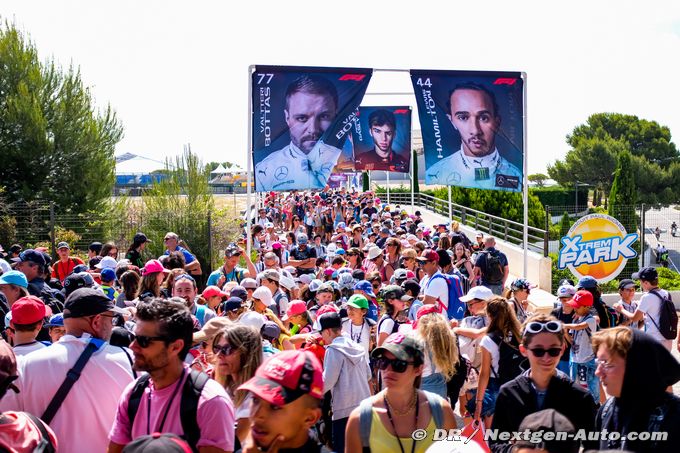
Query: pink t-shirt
{"points": [[215, 415]]}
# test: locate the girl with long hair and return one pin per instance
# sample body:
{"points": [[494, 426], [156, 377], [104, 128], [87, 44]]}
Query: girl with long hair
{"points": [[238, 352], [109, 249], [152, 278], [389, 322], [518, 297], [441, 356], [503, 326], [444, 242], [393, 246], [355, 257], [129, 282], [461, 260], [410, 263], [134, 252]]}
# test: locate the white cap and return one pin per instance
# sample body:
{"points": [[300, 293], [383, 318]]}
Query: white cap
{"points": [[374, 252], [478, 292], [108, 262], [566, 291], [252, 319], [264, 295]]}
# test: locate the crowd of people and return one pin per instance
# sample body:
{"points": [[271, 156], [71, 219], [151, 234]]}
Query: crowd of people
{"points": [[349, 326]]}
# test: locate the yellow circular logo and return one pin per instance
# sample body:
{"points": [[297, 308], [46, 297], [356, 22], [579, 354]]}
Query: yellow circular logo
{"points": [[597, 245]]}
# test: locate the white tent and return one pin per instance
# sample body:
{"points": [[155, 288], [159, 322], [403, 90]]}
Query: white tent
{"points": [[220, 170], [132, 164]]}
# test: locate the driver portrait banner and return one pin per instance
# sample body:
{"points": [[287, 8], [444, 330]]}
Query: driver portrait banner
{"points": [[473, 127], [301, 119], [382, 139]]}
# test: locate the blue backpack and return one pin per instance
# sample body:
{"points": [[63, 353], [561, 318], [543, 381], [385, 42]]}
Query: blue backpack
{"points": [[456, 308]]}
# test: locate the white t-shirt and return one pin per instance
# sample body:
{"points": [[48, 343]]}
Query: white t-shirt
{"points": [[386, 325], [24, 349], [468, 346], [360, 334], [488, 344], [650, 305], [582, 348], [436, 287]]}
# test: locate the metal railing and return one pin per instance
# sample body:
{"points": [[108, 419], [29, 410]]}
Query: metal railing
{"points": [[503, 229]]}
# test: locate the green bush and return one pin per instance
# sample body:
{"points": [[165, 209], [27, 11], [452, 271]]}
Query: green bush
{"points": [[561, 196]]}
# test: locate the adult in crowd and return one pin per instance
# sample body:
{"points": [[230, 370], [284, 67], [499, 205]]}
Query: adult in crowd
{"points": [[153, 403], [518, 297], [441, 357], [491, 267], [134, 253], [171, 241], [64, 266], [185, 288], [103, 374], [303, 258], [230, 271]]}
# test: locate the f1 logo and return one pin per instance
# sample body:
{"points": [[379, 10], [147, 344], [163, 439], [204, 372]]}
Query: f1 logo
{"points": [[355, 77], [504, 81]]}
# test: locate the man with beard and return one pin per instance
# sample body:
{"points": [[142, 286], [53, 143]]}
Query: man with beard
{"points": [[473, 111], [159, 402], [311, 106], [382, 126], [185, 288]]}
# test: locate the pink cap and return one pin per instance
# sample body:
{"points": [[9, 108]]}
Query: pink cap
{"points": [[153, 266], [276, 246], [212, 291], [286, 376], [295, 307]]}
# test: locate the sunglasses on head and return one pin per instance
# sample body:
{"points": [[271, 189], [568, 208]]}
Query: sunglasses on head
{"points": [[540, 352], [225, 349], [538, 327], [398, 365], [145, 341]]}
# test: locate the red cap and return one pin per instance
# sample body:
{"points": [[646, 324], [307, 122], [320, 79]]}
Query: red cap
{"points": [[429, 255], [582, 298], [295, 307], [28, 310], [286, 376], [212, 291]]}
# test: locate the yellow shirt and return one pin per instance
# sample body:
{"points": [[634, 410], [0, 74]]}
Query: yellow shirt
{"points": [[384, 442]]}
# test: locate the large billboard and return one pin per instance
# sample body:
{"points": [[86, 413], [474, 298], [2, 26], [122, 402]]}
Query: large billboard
{"points": [[473, 127], [301, 119], [382, 139]]}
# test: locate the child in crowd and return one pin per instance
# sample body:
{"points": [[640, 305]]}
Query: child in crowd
{"points": [[582, 359]]}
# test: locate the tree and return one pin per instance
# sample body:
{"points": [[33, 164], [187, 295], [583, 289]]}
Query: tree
{"points": [[54, 145], [365, 183], [538, 178], [622, 200], [565, 225]]}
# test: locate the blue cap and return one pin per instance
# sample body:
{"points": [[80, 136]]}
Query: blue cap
{"points": [[33, 256], [80, 268], [108, 275], [365, 286], [587, 282], [14, 278], [340, 252], [56, 321], [646, 273]]}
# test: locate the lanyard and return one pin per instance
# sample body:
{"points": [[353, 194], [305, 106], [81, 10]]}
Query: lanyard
{"points": [[167, 408], [351, 331], [394, 428]]}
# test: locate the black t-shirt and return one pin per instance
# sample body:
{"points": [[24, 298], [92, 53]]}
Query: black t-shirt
{"points": [[566, 318], [370, 211], [300, 255]]}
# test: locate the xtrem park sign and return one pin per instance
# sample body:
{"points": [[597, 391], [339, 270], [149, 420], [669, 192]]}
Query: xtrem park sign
{"points": [[597, 245]]}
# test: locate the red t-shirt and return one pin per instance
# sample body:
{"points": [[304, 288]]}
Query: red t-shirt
{"points": [[62, 270]]}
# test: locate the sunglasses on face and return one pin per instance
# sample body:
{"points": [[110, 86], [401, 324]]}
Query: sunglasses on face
{"points": [[538, 327], [398, 365], [144, 341], [225, 349], [540, 352]]}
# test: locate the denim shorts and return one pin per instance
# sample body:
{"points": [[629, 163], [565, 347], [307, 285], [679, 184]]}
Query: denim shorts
{"points": [[488, 401], [434, 383], [583, 374]]}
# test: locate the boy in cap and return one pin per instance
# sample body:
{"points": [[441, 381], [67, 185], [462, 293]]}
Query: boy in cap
{"points": [[64, 267], [56, 327], [565, 313], [582, 359], [108, 277], [357, 326], [627, 289], [345, 374], [287, 392], [28, 315]]}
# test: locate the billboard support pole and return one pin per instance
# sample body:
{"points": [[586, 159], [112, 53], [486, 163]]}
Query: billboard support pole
{"points": [[450, 205], [412, 181], [525, 179], [249, 238], [388, 187]]}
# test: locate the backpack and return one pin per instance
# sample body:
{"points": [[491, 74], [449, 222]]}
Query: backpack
{"points": [[493, 269], [509, 360], [668, 317], [395, 327], [366, 417], [456, 308], [188, 406], [45, 442], [200, 314]]}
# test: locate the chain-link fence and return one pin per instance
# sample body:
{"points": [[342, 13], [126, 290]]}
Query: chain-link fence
{"points": [[559, 219], [40, 224]]}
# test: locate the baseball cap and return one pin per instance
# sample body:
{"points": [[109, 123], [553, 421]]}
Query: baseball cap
{"points": [[365, 286], [295, 307], [358, 301], [646, 273], [287, 376], [56, 320], [28, 310], [395, 292], [249, 283], [627, 283], [8, 365], [270, 330], [315, 284], [287, 282], [582, 298], [233, 303], [32, 256], [305, 279], [80, 268], [107, 262], [566, 291], [252, 319], [429, 255], [63, 245], [521, 283], [14, 278], [151, 266], [210, 329], [240, 292], [158, 443], [108, 275], [411, 285], [270, 274], [231, 250], [325, 288], [358, 274], [212, 291], [95, 247], [75, 281], [374, 252], [587, 282], [478, 292], [330, 321], [548, 421], [140, 238], [88, 302], [400, 274], [302, 239], [403, 347]]}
